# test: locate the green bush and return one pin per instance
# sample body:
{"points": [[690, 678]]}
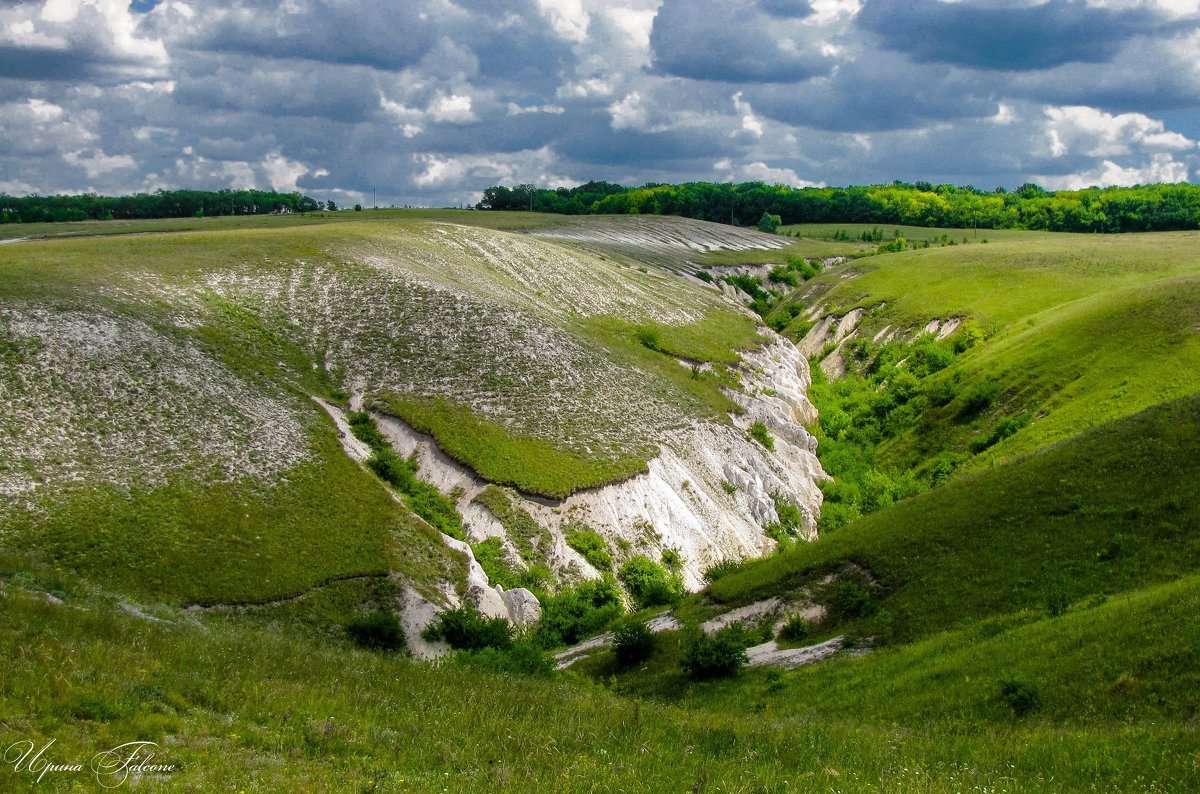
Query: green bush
{"points": [[941, 392], [578, 612], [806, 269], [391, 468], [523, 657], [969, 335], [650, 584], [633, 643], [363, 427], [428, 502], [769, 223], [929, 357], [758, 432], [979, 399], [783, 275], [716, 655], [466, 628], [378, 631], [795, 630], [489, 553], [847, 599], [1020, 696], [422, 498], [672, 559], [649, 337], [946, 466], [1006, 427], [723, 568], [591, 547], [790, 522]]}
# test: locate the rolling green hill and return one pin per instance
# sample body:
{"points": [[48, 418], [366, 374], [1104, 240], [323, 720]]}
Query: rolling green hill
{"points": [[1010, 545]]}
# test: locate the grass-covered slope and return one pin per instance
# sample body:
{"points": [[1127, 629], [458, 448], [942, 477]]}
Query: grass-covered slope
{"points": [[1108, 511], [261, 708], [157, 430], [1055, 334]]}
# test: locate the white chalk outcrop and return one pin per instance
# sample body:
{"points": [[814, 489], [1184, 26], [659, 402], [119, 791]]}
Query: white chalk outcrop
{"points": [[708, 494]]}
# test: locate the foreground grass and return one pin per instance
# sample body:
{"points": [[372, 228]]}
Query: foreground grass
{"points": [[264, 709], [1133, 658]]}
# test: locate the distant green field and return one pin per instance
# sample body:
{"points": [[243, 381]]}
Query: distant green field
{"points": [[515, 221], [827, 231]]}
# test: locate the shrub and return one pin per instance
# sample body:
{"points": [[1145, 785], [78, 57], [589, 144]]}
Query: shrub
{"points": [[1006, 427], [941, 392], [795, 629], [1020, 696], [378, 630], [790, 520], [783, 275], [716, 655], [422, 498], [847, 599], [672, 559], [650, 584], [575, 613], [391, 468], [946, 466], [489, 553], [968, 336], [633, 643], [364, 429], [802, 266], [723, 568], [758, 432], [521, 658], [648, 337], [428, 502], [704, 275], [728, 487], [591, 547], [769, 223], [466, 628], [929, 357], [979, 398]]}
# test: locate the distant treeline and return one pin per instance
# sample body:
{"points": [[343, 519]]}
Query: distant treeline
{"points": [[161, 204], [1114, 209]]}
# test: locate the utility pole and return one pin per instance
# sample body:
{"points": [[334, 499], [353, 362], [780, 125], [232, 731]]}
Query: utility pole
{"points": [[374, 206]]}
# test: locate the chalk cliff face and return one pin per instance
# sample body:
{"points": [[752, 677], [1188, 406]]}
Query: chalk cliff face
{"points": [[709, 494]]}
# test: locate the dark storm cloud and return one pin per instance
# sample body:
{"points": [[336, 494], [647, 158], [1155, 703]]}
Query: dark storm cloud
{"points": [[787, 9], [384, 35], [730, 41], [281, 88], [1007, 38], [855, 99], [595, 142]]}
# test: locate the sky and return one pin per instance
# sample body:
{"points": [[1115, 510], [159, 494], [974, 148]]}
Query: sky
{"points": [[431, 101]]}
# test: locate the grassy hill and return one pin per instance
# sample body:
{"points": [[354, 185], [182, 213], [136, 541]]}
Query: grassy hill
{"points": [[1017, 605], [157, 389]]}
